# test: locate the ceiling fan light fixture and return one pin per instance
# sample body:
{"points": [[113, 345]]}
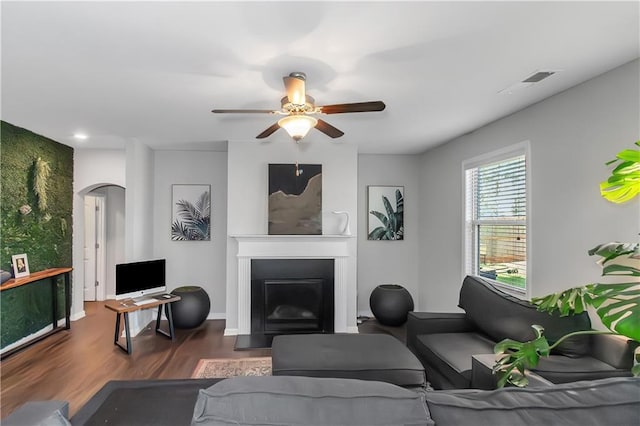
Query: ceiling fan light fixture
{"points": [[297, 125]]}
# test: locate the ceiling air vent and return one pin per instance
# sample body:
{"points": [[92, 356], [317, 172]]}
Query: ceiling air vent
{"points": [[538, 76], [534, 78]]}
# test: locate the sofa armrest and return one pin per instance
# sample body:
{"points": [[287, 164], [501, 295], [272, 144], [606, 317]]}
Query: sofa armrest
{"points": [[435, 322], [39, 413], [614, 350]]}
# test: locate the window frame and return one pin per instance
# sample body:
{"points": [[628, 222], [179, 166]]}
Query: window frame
{"points": [[518, 149]]}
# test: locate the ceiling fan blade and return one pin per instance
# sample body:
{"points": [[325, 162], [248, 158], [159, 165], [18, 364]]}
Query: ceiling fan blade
{"points": [[354, 107], [268, 132], [294, 84], [328, 129], [243, 111]]}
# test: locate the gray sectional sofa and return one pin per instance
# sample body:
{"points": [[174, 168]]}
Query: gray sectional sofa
{"points": [[288, 400], [446, 342]]}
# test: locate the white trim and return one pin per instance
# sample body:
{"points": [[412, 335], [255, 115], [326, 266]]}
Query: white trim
{"points": [[231, 332], [512, 290], [520, 148], [293, 247], [365, 314], [498, 155], [78, 315], [216, 316]]}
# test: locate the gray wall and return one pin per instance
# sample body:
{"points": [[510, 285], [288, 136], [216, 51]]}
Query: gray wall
{"points": [[572, 135], [201, 263], [388, 262], [139, 202]]}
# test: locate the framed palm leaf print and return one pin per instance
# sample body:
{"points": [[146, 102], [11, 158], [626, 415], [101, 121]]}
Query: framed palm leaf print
{"points": [[191, 212], [385, 207]]}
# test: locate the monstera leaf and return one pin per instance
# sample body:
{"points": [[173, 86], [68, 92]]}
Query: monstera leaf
{"points": [[617, 304], [518, 356], [624, 182]]}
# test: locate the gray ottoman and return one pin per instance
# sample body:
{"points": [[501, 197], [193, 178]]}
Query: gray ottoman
{"points": [[377, 357]]}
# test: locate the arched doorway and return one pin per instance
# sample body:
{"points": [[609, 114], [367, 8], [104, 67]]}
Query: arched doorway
{"points": [[104, 235]]}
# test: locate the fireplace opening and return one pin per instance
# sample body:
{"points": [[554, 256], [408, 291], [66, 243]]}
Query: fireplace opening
{"points": [[293, 305], [292, 296]]}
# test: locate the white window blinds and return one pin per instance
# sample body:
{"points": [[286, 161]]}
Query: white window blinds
{"points": [[495, 221]]}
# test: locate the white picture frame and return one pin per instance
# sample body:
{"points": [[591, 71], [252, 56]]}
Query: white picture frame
{"points": [[20, 265]]}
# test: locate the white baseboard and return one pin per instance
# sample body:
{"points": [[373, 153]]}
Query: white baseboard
{"points": [[353, 330], [231, 331], [216, 316], [78, 315], [365, 314]]}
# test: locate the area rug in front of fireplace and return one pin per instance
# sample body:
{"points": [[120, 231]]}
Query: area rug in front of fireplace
{"points": [[230, 367]]}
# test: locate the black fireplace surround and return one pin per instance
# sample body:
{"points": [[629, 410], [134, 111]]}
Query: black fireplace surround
{"points": [[291, 296]]}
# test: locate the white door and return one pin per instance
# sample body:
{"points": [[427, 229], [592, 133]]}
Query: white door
{"points": [[101, 252], [94, 248], [89, 248]]}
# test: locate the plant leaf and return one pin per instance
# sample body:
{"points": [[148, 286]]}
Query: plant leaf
{"points": [[391, 224], [624, 182], [610, 251], [377, 234], [621, 270], [516, 357], [381, 217]]}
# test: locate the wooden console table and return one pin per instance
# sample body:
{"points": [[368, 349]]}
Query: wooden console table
{"points": [[123, 307], [52, 273]]}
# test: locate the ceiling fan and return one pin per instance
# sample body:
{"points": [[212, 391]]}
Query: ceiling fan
{"points": [[299, 108]]}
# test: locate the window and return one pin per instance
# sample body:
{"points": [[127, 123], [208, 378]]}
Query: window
{"points": [[496, 217]]}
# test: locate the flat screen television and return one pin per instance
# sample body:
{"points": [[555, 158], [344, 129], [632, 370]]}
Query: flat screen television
{"points": [[138, 279]]}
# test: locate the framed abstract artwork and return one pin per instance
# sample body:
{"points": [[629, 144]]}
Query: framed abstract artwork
{"points": [[385, 207], [295, 199], [191, 212]]}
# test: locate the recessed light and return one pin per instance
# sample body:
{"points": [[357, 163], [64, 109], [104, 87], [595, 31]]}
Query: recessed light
{"points": [[80, 136]]}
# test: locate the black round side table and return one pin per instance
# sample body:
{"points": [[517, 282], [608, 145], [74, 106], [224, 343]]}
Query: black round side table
{"points": [[390, 304], [192, 309]]}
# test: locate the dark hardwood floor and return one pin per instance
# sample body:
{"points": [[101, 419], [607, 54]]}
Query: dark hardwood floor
{"points": [[73, 365]]}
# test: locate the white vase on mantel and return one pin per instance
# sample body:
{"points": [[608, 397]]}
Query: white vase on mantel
{"points": [[345, 229]]}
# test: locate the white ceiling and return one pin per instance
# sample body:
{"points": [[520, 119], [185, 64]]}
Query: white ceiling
{"points": [[152, 71]]}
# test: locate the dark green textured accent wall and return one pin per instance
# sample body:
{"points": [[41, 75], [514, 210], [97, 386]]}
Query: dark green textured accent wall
{"points": [[45, 236]]}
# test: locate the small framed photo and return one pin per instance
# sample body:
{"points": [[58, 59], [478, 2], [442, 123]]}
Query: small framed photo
{"points": [[20, 265], [385, 213]]}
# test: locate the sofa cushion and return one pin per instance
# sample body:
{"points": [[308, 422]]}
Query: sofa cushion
{"points": [[561, 369], [349, 356], [503, 316], [282, 400], [602, 402], [142, 402], [450, 354]]}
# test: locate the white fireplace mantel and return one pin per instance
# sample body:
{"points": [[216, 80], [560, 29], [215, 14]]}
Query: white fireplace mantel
{"points": [[334, 247]]}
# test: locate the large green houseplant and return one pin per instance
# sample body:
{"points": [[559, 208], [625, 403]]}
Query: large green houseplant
{"points": [[617, 304]]}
